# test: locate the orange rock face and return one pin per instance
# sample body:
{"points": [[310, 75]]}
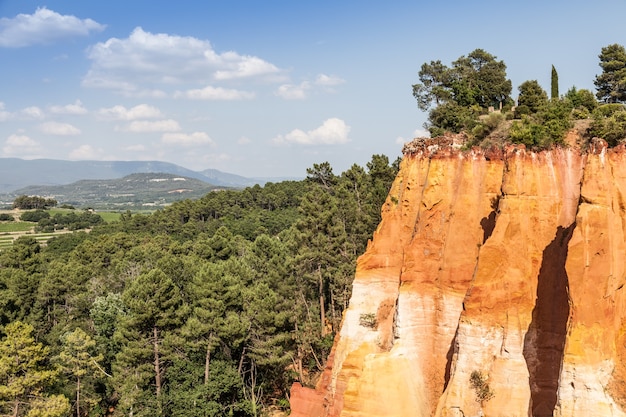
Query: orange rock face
{"points": [[510, 264]]}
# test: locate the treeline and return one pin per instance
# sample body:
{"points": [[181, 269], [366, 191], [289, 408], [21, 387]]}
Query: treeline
{"points": [[70, 221], [26, 202], [473, 96], [210, 307]]}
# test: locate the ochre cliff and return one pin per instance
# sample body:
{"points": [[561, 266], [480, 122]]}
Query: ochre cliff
{"points": [[509, 263]]}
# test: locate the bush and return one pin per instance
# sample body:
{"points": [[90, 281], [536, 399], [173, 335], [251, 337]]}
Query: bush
{"points": [[450, 117], [607, 110], [582, 99], [531, 97], [609, 123], [71, 221], [479, 383], [368, 320], [487, 125], [34, 216], [5, 217], [521, 111], [580, 113], [545, 128]]}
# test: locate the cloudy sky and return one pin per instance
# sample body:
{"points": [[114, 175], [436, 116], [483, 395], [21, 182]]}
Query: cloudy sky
{"points": [[262, 88]]}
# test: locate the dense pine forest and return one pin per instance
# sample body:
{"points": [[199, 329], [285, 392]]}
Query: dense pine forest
{"points": [[210, 307]]}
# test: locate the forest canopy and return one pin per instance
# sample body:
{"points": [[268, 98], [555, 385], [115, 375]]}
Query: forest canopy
{"points": [[210, 307]]}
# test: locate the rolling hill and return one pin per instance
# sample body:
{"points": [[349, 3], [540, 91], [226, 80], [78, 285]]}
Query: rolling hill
{"points": [[143, 190]]}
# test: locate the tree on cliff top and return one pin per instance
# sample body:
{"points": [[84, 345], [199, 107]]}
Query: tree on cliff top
{"points": [[554, 84], [477, 80], [611, 84], [531, 98]]}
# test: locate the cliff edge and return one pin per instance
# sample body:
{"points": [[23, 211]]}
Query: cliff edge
{"points": [[506, 264]]}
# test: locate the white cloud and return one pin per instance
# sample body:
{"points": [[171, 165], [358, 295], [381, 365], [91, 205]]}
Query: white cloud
{"points": [[332, 132], [145, 59], [4, 115], [184, 139], [33, 112], [401, 140], [417, 133], [146, 126], [59, 129], [244, 67], [85, 152], [421, 133], [43, 27], [21, 145], [328, 80], [149, 93], [293, 92], [243, 140], [301, 91], [135, 148], [76, 108], [142, 111], [215, 93]]}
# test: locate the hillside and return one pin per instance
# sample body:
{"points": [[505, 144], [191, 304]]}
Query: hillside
{"points": [[131, 191]]}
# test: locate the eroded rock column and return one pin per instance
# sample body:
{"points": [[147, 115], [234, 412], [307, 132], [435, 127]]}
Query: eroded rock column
{"points": [[506, 331], [593, 374]]}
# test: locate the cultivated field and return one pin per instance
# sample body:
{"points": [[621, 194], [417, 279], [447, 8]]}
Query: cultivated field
{"points": [[11, 230]]}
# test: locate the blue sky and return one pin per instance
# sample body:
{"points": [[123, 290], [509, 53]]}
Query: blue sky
{"points": [[262, 88]]}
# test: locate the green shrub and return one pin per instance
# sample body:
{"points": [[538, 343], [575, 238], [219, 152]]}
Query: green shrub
{"points": [[580, 113], [607, 110], [34, 216], [521, 111], [526, 132], [368, 320], [487, 125], [582, 99], [479, 383], [545, 128], [609, 123], [451, 117], [532, 97], [6, 217]]}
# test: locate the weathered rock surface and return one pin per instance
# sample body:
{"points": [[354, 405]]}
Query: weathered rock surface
{"points": [[509, 263]]}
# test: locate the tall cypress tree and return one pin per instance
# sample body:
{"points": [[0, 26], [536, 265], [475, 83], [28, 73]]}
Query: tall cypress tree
{"points": [[554, 91]]}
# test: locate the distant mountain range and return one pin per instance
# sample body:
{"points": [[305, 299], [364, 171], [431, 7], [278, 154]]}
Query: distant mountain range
{"points": [[18, 173]]}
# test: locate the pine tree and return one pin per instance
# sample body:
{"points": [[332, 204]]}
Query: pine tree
{"points": [[155, 311], [611, 84], [23, 375], [77, 360], [554, 85]]}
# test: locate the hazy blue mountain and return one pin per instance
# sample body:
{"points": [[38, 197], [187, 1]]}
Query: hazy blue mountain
{"points": [[232, 180], [18, 173], [228, 180]]}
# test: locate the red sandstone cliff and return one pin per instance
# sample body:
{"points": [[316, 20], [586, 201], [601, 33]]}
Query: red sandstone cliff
{"points": [[508, 263]]}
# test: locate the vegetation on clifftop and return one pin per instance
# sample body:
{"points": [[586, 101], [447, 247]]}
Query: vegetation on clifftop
{"points": [[474, 96]]}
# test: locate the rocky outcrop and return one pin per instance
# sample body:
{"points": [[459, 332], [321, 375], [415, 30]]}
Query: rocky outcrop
{"points": [[507, 263]]}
